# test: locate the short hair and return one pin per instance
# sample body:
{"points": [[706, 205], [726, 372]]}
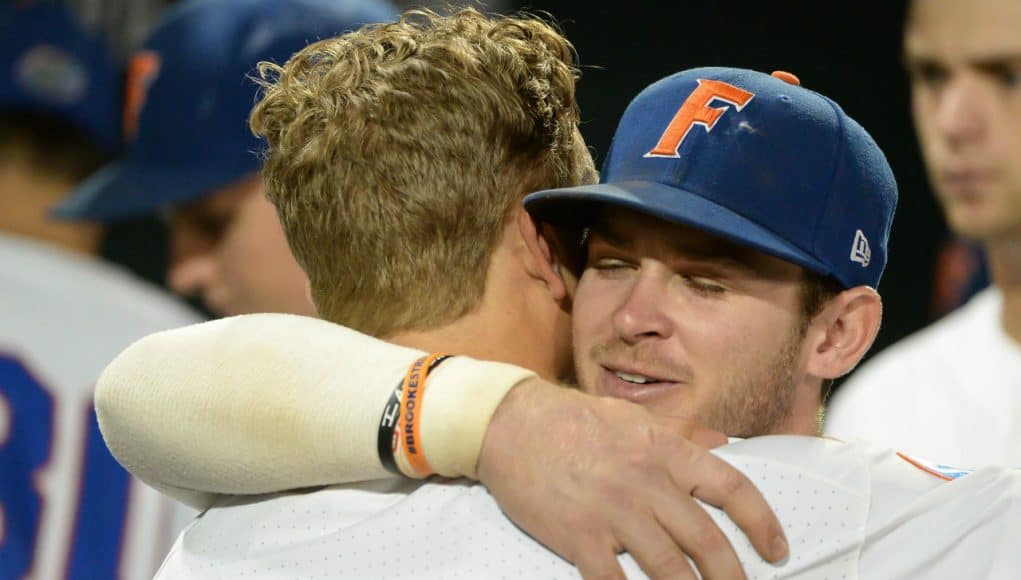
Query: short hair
{"points": [[48, 144], [397, 153], [816, 291]]}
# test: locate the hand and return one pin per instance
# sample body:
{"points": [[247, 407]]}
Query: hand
{"points": [[590, 477]]}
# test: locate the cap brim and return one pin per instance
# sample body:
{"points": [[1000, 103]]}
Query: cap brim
{"points": [[579, 205], [127, 188]]}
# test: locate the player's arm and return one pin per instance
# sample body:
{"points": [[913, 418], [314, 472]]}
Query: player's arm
{"points": [[270, 402]]}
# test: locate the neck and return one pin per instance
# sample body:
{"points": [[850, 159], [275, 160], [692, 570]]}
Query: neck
{"points": [[516, 323], [26, 198], [1004, 257], [806, 413], [480, 337]]}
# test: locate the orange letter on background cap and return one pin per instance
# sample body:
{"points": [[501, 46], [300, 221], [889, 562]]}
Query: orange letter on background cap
{"points": [[696, 110], [141, 71]]}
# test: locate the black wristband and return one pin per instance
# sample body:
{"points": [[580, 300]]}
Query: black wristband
{"points": [[385, 435]]}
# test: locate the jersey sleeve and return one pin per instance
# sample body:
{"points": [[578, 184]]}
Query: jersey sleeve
{"points": [[268, 402]]}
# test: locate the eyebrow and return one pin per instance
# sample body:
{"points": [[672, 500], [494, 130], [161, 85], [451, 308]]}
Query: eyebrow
{"points": [[997, 64], [989, 62], [725, 253], [718, 250], [602, 228]]}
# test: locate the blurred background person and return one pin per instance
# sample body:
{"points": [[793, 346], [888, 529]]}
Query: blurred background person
{"points": [[192, 156], [952, 392], [64, 314], [67, 509], [128, 22]]}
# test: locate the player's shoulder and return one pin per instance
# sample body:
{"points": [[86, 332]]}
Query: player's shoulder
{"points": [[828, 457], [799, 457], [833, 459], [300, 532]]}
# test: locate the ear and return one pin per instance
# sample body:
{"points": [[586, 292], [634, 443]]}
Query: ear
{"points": [[844, 331], [541, 261]]}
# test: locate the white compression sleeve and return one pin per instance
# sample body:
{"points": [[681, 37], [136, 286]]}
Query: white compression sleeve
{"points": [[267, 402]]}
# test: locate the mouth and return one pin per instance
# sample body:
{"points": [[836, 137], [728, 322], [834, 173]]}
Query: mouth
{"points": [[965, 183], [634, 385]]}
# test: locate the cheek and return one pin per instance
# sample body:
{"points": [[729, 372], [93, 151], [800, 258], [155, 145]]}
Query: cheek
{"points": [[722, 340], [243, 264], [1013, 147], [923, 113], [592, 308], [1004, 131], [711, 346], [255, 241], [590, 316]]}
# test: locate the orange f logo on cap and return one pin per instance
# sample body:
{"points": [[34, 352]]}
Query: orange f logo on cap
{"points": [[141, 71], [696, 111]]}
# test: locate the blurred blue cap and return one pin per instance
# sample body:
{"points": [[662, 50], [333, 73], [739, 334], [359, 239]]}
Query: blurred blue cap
{"points": [[753, 158], [48, 63], [192, 87]]}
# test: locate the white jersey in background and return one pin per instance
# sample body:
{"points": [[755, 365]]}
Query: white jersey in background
{"points": [[67, 509], [849, 511], [952, 391]]}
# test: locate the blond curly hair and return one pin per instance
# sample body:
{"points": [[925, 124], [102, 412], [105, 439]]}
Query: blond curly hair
{"points": [[397, 153]]}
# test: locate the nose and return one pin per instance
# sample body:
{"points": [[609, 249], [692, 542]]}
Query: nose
{"points": [[642, 315], [192, 264], [960, 115]]}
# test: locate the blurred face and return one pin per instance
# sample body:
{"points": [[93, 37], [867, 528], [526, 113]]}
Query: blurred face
{"points": [[688, 324], [964, 61], [230, 249], [26, 197]]}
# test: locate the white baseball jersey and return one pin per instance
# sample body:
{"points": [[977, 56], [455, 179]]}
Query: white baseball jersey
{"points": [[849, 510], [951, 391], [67, 509]]}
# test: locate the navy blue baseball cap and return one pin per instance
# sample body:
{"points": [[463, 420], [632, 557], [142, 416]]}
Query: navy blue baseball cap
{"points": [[194, 76], [49, 63], [753, 158]]}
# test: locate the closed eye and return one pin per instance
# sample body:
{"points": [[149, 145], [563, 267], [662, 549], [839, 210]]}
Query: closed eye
{"points": [[1004, 73], [608, 264], [703, 286], [927, 73]]}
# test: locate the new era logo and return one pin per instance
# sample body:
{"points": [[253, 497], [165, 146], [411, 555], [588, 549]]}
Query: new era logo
{"points": [[860, 251]]}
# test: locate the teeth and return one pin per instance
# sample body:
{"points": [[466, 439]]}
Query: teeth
{"points": [[637, 379]]}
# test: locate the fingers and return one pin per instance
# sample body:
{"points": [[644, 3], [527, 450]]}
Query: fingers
{"points": [[706, 438], [658, 555], [697, 534], [718, 483], [624, 480], [696, 433], [598, 563]]}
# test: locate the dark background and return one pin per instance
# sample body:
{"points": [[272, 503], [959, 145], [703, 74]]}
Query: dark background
{"points": [[850, 52]]}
